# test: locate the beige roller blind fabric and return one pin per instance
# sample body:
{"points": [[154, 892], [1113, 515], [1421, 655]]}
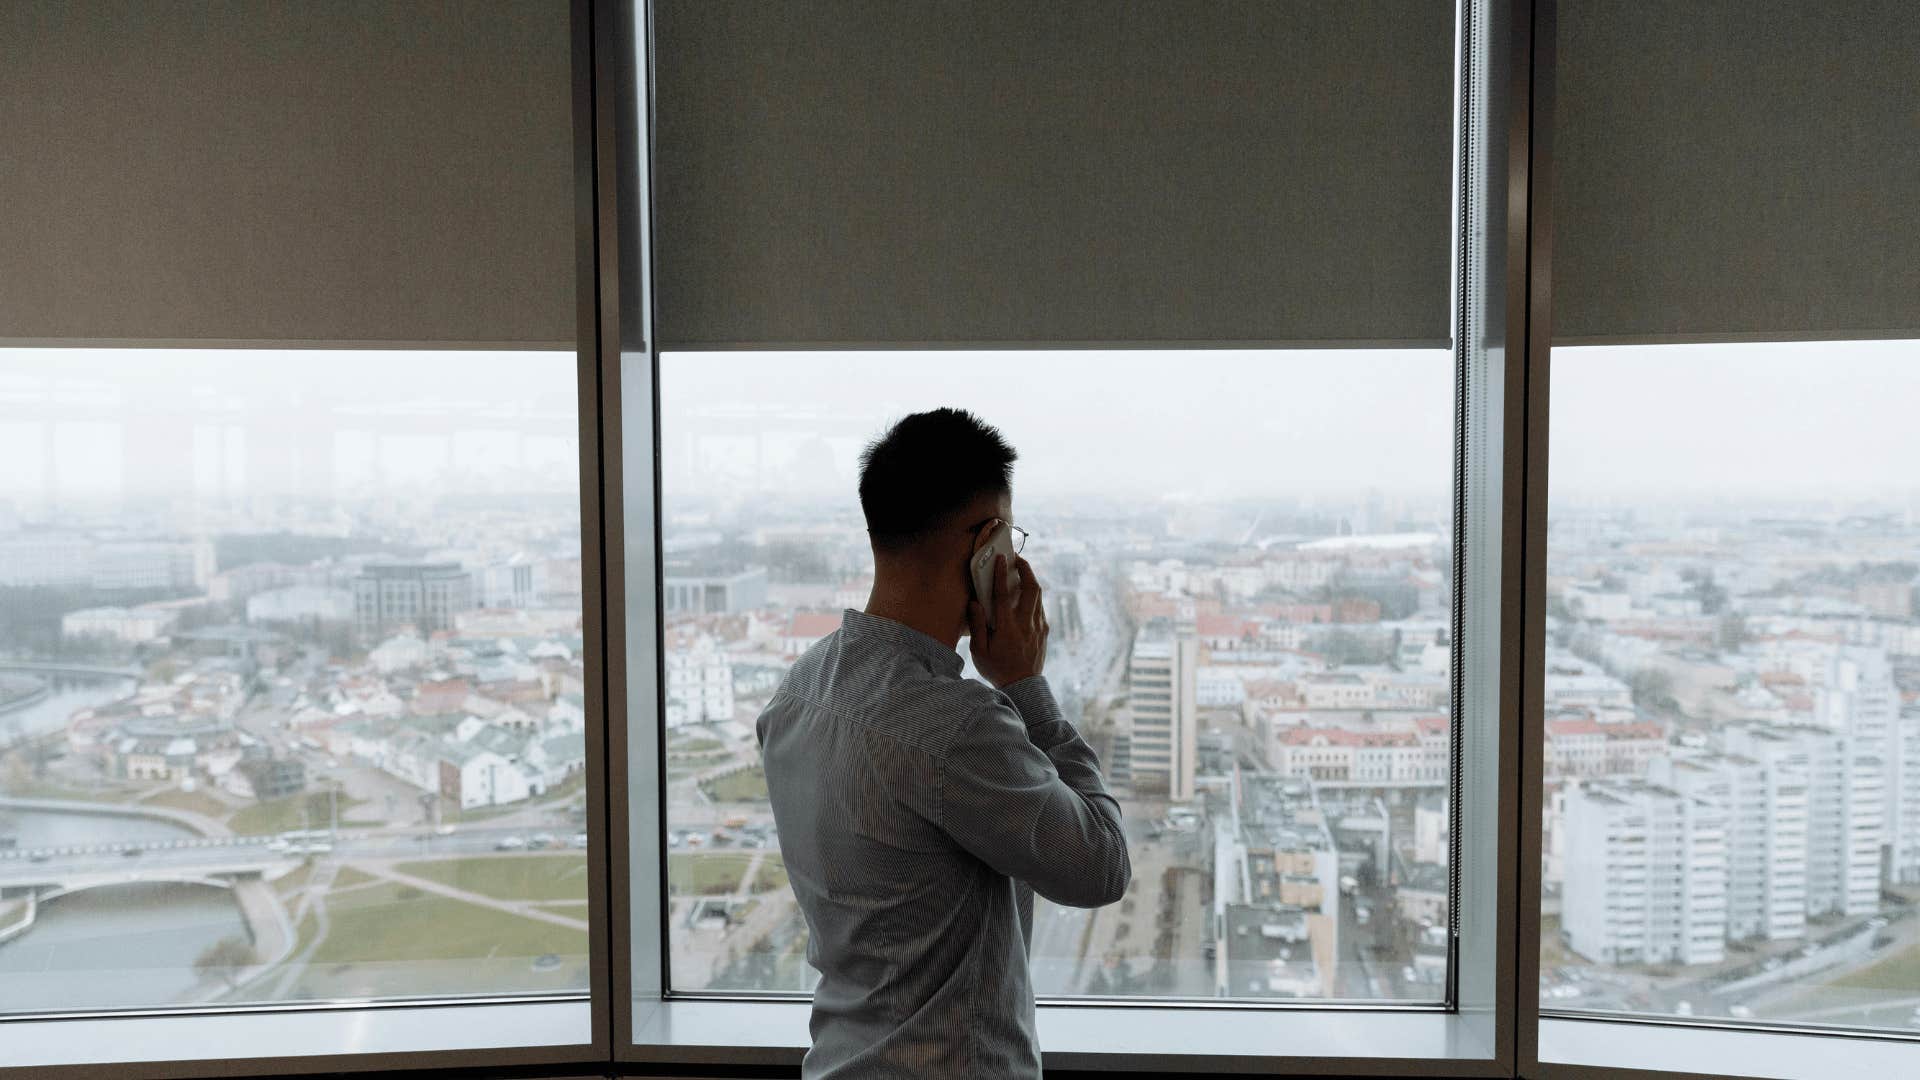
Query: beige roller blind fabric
{"points": [[1730, 170], [921, 173], [306, 172]]}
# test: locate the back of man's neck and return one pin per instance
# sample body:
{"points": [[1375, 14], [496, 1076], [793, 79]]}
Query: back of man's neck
{"points": [[891, 605]]}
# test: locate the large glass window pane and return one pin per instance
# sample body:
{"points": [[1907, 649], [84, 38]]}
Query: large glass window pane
{"points": [[1732, 751], [1248, 560], [290, 677]]}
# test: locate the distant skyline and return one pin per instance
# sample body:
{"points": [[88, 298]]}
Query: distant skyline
{"points": [[1785, 420]]}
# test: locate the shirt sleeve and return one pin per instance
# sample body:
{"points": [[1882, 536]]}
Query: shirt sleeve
{"points": [[1022, 791]]}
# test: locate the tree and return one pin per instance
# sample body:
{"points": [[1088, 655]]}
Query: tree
{"points": [[224, 960], [1711, 596], [1652, 689]]}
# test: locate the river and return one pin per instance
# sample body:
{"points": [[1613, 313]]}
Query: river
{"points": [[116, 947], [70, 695]]}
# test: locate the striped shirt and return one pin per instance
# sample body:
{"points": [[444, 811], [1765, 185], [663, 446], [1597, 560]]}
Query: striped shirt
{"points": [[918, 813]]}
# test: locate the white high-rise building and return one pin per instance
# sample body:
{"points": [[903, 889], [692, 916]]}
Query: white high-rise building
{"points": [[699, 684], [1161, 679], [1903, 800], [1858, 698], [1646, 875], [1765, 804], [1846, 815]]}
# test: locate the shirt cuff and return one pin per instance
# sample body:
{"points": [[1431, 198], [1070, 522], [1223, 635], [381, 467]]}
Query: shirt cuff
{"points": [[1033, 699]]}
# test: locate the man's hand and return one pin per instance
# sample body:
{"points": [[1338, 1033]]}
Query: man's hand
{"points": [[1011, 644]]}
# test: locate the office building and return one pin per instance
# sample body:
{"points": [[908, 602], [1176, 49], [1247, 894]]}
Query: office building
{"points": [[423, 595], [687, 591], [1161, 690]]}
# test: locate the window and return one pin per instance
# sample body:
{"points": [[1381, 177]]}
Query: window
{"points": [[277, 723], [1732, 825], [1286, 807]]}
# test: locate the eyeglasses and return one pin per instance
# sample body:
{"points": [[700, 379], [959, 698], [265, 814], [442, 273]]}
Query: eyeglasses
{"points": [[1019, 534]]}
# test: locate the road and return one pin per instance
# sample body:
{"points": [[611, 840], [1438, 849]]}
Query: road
{"points": [[235, 854]]}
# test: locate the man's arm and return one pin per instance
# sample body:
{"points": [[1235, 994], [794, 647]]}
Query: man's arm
{"points": [[1055, 737], [1037, 813]]}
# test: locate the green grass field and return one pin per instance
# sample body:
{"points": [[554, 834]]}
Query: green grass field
{"points": [[292, 812], [772, 875], [1901, 972], [47, 789], [747, 785], [698, 744], [1553, 951], [396, 924], [198, 802], [349, 876], [509, 877], [293, 880], [707, 874]]}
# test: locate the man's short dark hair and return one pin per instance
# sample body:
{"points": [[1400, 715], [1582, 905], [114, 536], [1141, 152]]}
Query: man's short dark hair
{"points": [[925, 470]]}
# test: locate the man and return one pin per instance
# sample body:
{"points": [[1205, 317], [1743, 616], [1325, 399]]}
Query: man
{"points": [[919, 811]]}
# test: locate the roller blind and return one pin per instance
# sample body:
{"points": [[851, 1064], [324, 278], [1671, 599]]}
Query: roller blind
{"points": [[307, 172], [911, 172], [1736, 170]]}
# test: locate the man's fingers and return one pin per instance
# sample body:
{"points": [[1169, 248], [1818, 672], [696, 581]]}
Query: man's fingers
{"points": [[977, 621], [1029, 587]]}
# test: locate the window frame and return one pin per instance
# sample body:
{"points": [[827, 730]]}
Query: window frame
{"points": [[1564, 1044], [566, 1028], [1472, 1036], [1495, 1025]]}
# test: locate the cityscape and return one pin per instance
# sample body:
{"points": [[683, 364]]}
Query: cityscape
{"points": [[297, 713], [1265, 683], [291, 679]]}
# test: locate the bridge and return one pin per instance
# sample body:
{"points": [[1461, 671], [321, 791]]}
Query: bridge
{"points": [[196, 861], [220, 860], [52, 667]]}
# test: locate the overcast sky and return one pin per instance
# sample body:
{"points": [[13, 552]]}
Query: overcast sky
{"points": [[1668, 420]]}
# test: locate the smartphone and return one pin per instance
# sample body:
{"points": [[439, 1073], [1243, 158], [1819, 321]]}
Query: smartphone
{"points": [[999, 541]]}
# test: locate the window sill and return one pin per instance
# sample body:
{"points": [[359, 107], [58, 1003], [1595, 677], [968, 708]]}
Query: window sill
{"points": [[1117, 1039], [302, 1040], [1579, 1048]]}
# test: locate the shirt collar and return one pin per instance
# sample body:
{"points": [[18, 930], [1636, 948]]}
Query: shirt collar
{"points": [[905, 638]]}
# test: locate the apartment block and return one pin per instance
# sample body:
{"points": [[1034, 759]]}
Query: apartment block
{"points": [[1646, 875]]}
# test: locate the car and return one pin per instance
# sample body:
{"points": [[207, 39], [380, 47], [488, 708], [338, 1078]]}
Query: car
{"points": [[510, 843], [131, 851], [444, 830], [579, 839], [543, 840], [1684, 1008], [38, 856], [1740, 1012]]}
